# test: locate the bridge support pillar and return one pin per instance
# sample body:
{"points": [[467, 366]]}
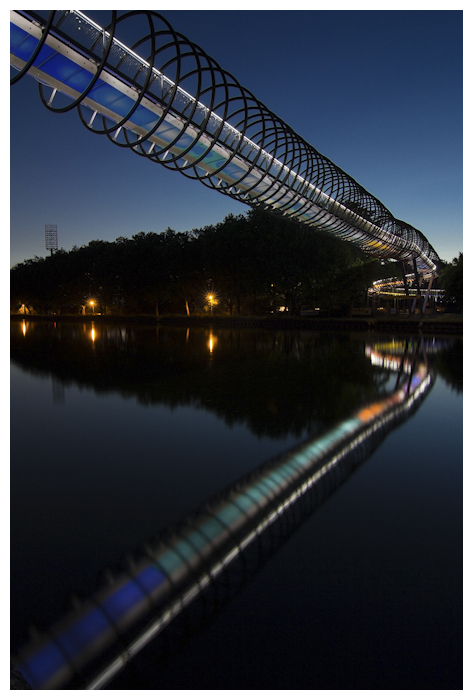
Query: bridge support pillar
{"points": [[427, 295], [402, 266], [417, 296]]}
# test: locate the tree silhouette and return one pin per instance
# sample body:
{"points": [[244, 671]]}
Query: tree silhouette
{"points": [[255, 263]]}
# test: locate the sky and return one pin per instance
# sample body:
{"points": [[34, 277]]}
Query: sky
{"points": [[379, 93]]}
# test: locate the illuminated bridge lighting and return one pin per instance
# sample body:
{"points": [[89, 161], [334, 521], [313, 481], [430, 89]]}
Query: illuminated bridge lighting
{"points": [[388, 362], [174, 105]]}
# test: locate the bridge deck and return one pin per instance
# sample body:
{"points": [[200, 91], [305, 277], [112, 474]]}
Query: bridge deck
{"points": [[171, 126]]}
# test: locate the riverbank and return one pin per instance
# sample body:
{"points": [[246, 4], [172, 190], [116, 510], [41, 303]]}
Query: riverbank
{"points": [[446, 324]]}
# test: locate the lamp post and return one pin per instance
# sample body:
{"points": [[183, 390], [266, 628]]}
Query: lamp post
{"points": [[211, 299], [92, 302]]}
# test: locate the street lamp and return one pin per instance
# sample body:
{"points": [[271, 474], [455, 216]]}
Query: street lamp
{"points": [[211, 300], [92, 302]]}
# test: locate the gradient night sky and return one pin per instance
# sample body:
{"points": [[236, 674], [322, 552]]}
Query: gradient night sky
{"points": [[377, 92]]}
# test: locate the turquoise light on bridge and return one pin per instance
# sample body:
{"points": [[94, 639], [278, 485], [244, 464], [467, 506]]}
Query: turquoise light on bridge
{"points": [[221, 134]]}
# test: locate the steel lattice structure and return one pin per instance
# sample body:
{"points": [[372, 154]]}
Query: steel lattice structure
{"points": [[163, 97]]}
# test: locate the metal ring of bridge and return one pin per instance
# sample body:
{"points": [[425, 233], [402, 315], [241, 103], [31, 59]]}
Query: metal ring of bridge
{"points": [[176, 106]]}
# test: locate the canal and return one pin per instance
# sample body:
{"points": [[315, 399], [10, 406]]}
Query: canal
{"points": [[119, 431]]}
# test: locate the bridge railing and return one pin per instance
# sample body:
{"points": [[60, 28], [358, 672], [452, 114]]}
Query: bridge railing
{"points": [[167, 100]]}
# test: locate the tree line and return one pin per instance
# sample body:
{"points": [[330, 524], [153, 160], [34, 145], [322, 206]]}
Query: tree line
{"points": [[252, 263], [451, 280]]}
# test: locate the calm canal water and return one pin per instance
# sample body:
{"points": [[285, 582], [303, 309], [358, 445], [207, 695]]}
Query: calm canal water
{"points": [[119, 431]]}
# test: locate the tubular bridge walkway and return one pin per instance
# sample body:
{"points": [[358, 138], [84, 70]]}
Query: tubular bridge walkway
{"points": [[167, 100]]}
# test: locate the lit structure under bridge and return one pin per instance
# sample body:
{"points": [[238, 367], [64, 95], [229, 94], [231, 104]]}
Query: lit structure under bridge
{"points": [[405, 287], [227, 538], [148, 88]]}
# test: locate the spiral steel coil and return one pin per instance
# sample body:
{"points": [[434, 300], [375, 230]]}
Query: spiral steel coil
{"points": [[168, 101]]}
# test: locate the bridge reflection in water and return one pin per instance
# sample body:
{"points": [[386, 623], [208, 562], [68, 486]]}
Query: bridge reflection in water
{"points": [[93, 643]]}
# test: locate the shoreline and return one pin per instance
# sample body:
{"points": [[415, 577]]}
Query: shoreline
{"points": [[452, 324]]}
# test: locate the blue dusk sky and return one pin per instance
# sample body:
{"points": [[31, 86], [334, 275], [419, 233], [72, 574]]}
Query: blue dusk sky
{"points": [[380, 93]]}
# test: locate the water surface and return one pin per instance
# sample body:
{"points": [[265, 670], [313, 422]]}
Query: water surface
{"points": [[118, 431]]}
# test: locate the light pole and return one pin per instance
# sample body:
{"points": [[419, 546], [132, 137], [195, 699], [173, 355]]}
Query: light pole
{"points": [[210, 298]]}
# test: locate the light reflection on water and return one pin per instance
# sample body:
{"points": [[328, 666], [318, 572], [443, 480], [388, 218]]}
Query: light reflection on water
{"points": [[151, 422]]}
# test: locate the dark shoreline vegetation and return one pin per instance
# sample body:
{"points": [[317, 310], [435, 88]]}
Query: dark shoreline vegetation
{"points": [[248, 265]]}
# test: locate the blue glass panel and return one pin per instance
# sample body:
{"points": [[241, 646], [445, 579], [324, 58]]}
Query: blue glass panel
{"points": [[212, 528], [255, 495], [144, 117], [80, 79], [278, 478], [196, 538], [121, 602], [197, 150], [60, 68], [185, 549], [83, 632], [183, 143], [21, 43], [151, 578], [170, 561], [266, 487], [235, 172], [121, 104], [42, 665], [103, 94], [245, 503], [43, 56], [230, 514], [167, 132], [215, 160]]}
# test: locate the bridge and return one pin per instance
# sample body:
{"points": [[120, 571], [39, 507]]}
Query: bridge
{"points": [[165, 99], [91, 644]]}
